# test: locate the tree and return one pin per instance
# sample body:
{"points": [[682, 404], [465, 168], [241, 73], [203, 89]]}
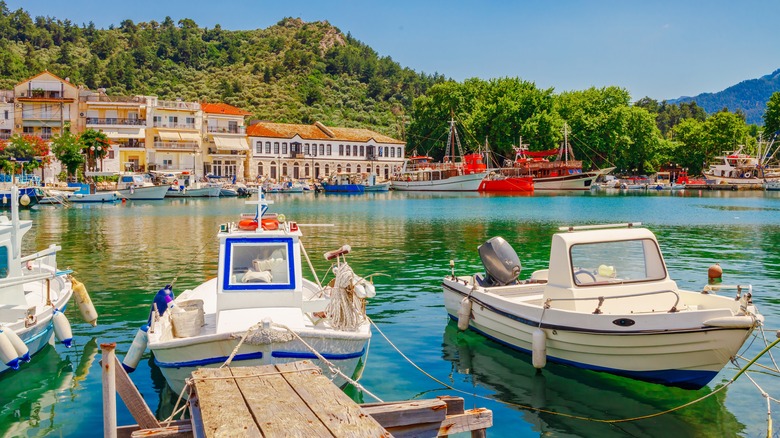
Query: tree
{"points": [[69, 151], [29, 151], [772, 116], [94, 144]]}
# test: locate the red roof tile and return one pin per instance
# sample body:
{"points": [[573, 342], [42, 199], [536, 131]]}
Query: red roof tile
{"points": [[223, 108], [316, 131]]}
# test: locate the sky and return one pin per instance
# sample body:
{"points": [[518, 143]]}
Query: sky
{"points": [[659, 49]]}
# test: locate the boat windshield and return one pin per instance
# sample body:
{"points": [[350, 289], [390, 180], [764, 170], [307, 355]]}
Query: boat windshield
{"points": [[254, 264], [626, 261]]}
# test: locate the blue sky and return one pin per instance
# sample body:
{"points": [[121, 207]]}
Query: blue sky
{"points": [[661, 49]]}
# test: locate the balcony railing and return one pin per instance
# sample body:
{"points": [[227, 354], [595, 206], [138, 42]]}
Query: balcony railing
{"points": [[5, 135], [116, 99], [182, 146], [115, 121], [227, 129], [175, 104], [174, 125], [213, 151]]}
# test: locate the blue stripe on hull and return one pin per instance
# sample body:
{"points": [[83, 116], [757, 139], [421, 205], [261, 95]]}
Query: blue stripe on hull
{"points": [[258, 355], [687, 379]]}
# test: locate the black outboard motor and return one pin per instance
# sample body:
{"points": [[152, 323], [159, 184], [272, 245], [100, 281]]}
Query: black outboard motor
{"points": [[502, 266]]}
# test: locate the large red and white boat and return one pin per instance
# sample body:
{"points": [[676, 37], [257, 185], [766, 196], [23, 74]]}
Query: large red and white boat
{"points": [[509, 179]]}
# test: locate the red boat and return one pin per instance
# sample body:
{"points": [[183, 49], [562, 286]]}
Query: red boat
{"points": [[499, 180]]}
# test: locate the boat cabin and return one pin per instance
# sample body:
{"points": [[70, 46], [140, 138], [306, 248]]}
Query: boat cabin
{"points": [[589, 264], [259, 266]]}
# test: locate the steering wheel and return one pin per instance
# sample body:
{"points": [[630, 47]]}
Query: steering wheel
{"points": [[583, 271]]}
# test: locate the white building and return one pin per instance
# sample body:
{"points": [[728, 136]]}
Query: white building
{"points": [[224, 138], [282, 150], [6, 114]]}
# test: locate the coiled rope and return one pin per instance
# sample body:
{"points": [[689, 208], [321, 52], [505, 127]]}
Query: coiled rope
{"points": [[572, 416]]}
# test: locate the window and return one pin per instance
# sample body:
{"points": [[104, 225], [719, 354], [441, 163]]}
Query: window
{"points": [[348, 150], [173, 120], [330, 151], [380, 151], [306, 148], [625, 261], [362, 151], [167, 163], [6, 114], [284, 148], [322, 149], [341, 149], [268, 147], [157, 120], [3, 261], [260, 169], [354, 150], [28, 130], [190, 122], [392, 152], [233, 126], [400, 152], [276, 148], [357, 169], [258, 147], [257, 265]]}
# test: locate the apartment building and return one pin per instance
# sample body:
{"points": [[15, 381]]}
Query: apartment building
{"points": [[224, 136], [44, 105]]}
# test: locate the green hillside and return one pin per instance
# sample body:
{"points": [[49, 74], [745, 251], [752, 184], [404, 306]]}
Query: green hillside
{"points": [[291, 72]]}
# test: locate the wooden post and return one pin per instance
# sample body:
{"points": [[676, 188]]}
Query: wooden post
{"points": [[109, 389]]}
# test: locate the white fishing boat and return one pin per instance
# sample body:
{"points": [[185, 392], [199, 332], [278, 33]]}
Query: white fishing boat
{"points": [[260, 309], [33, 295], [185, 185], [605, 303], [420, 173], [130, 185]]}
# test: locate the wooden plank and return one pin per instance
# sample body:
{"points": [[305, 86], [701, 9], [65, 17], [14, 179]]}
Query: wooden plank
{"points": [[471, 420], [408, 413], [183, 427], [196, 418], [132, 398], [339, 413], [223, 410], [455, 405], [178, 431], [277, 408]]}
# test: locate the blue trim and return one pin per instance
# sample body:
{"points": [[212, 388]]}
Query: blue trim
{"points": [[304, 355], [686, 379], [229, 242], [209, 361]]}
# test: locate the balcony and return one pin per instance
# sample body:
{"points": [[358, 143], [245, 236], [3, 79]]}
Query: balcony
{"points": [[174, 125], [115, 121], [94, 98], [179, 146], [5, 135], [213, 151], [227, 129], [177, 105]]}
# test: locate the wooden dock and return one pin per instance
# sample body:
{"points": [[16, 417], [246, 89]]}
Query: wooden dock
{"points": [[284, 400]]}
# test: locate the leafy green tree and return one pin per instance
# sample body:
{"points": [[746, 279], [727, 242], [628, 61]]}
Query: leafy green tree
{"points": [[69, 151], [95, 145], [23, 152], [772, 116]]}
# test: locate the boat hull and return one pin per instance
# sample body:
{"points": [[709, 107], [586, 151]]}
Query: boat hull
{"points": [[525, 184], [203, 192], [343, 188], [576, 181], [684, 357], [379, 187], [148, 193], [177, 362], [99, 197], [460, 183]]}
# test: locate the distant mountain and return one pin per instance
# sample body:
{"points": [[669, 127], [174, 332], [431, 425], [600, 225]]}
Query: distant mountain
{"points": [[750, 96]]}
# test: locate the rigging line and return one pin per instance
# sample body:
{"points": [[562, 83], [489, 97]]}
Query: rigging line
{"points": [[583, 143], [189, 264], [572, 416]]}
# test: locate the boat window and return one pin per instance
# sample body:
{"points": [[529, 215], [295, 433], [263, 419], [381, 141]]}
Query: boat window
{"points": [[616, 262], [256, 264], [3, 261]]}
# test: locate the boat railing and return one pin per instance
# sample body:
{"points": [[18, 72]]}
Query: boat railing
{"points": [[712, 288], [602, 299]]}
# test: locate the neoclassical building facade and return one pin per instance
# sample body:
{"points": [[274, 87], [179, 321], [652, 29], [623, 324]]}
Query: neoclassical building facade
{"points": [[282, 150]]}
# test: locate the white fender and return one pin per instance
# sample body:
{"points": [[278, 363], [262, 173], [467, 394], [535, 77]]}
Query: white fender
{"points": [[62, 328], [87, 309], [539, 349], [370, 290], [360, 291], [136, 350], [464, 313], [21, 348], [8, 353]]}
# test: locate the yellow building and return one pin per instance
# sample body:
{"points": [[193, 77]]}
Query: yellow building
{"points": [[44, 105]]}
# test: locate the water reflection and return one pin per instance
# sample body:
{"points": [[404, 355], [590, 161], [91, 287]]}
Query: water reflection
{"points": [[576, 392], [30, 397]]}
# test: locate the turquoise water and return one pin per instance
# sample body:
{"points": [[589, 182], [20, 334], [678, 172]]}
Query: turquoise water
{"points": [[125, 252]]}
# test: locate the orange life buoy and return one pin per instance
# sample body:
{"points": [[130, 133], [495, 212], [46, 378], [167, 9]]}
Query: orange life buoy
{"points": [[269, 224], [248, 224], [176, 182]]}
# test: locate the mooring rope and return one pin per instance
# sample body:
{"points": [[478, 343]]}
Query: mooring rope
{"points": [[743, 370]]}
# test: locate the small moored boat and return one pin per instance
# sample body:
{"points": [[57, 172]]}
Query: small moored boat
{"points": [[260, 309], [605, 303]]}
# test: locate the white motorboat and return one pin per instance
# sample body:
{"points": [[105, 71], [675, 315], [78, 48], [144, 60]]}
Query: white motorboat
{"points": [[185, 185], [260, 309], [33, 295], [605, 303]]}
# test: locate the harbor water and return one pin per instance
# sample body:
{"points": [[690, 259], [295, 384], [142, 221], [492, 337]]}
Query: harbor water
{"points": [[125, 252]]}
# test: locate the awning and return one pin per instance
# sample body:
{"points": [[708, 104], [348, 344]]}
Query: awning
{"points": [[231, 143], [125, 133], [168, 135], [189, 136]]}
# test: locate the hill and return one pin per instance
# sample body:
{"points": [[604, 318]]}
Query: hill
{"points": [[748, 96], [294, 72]]}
